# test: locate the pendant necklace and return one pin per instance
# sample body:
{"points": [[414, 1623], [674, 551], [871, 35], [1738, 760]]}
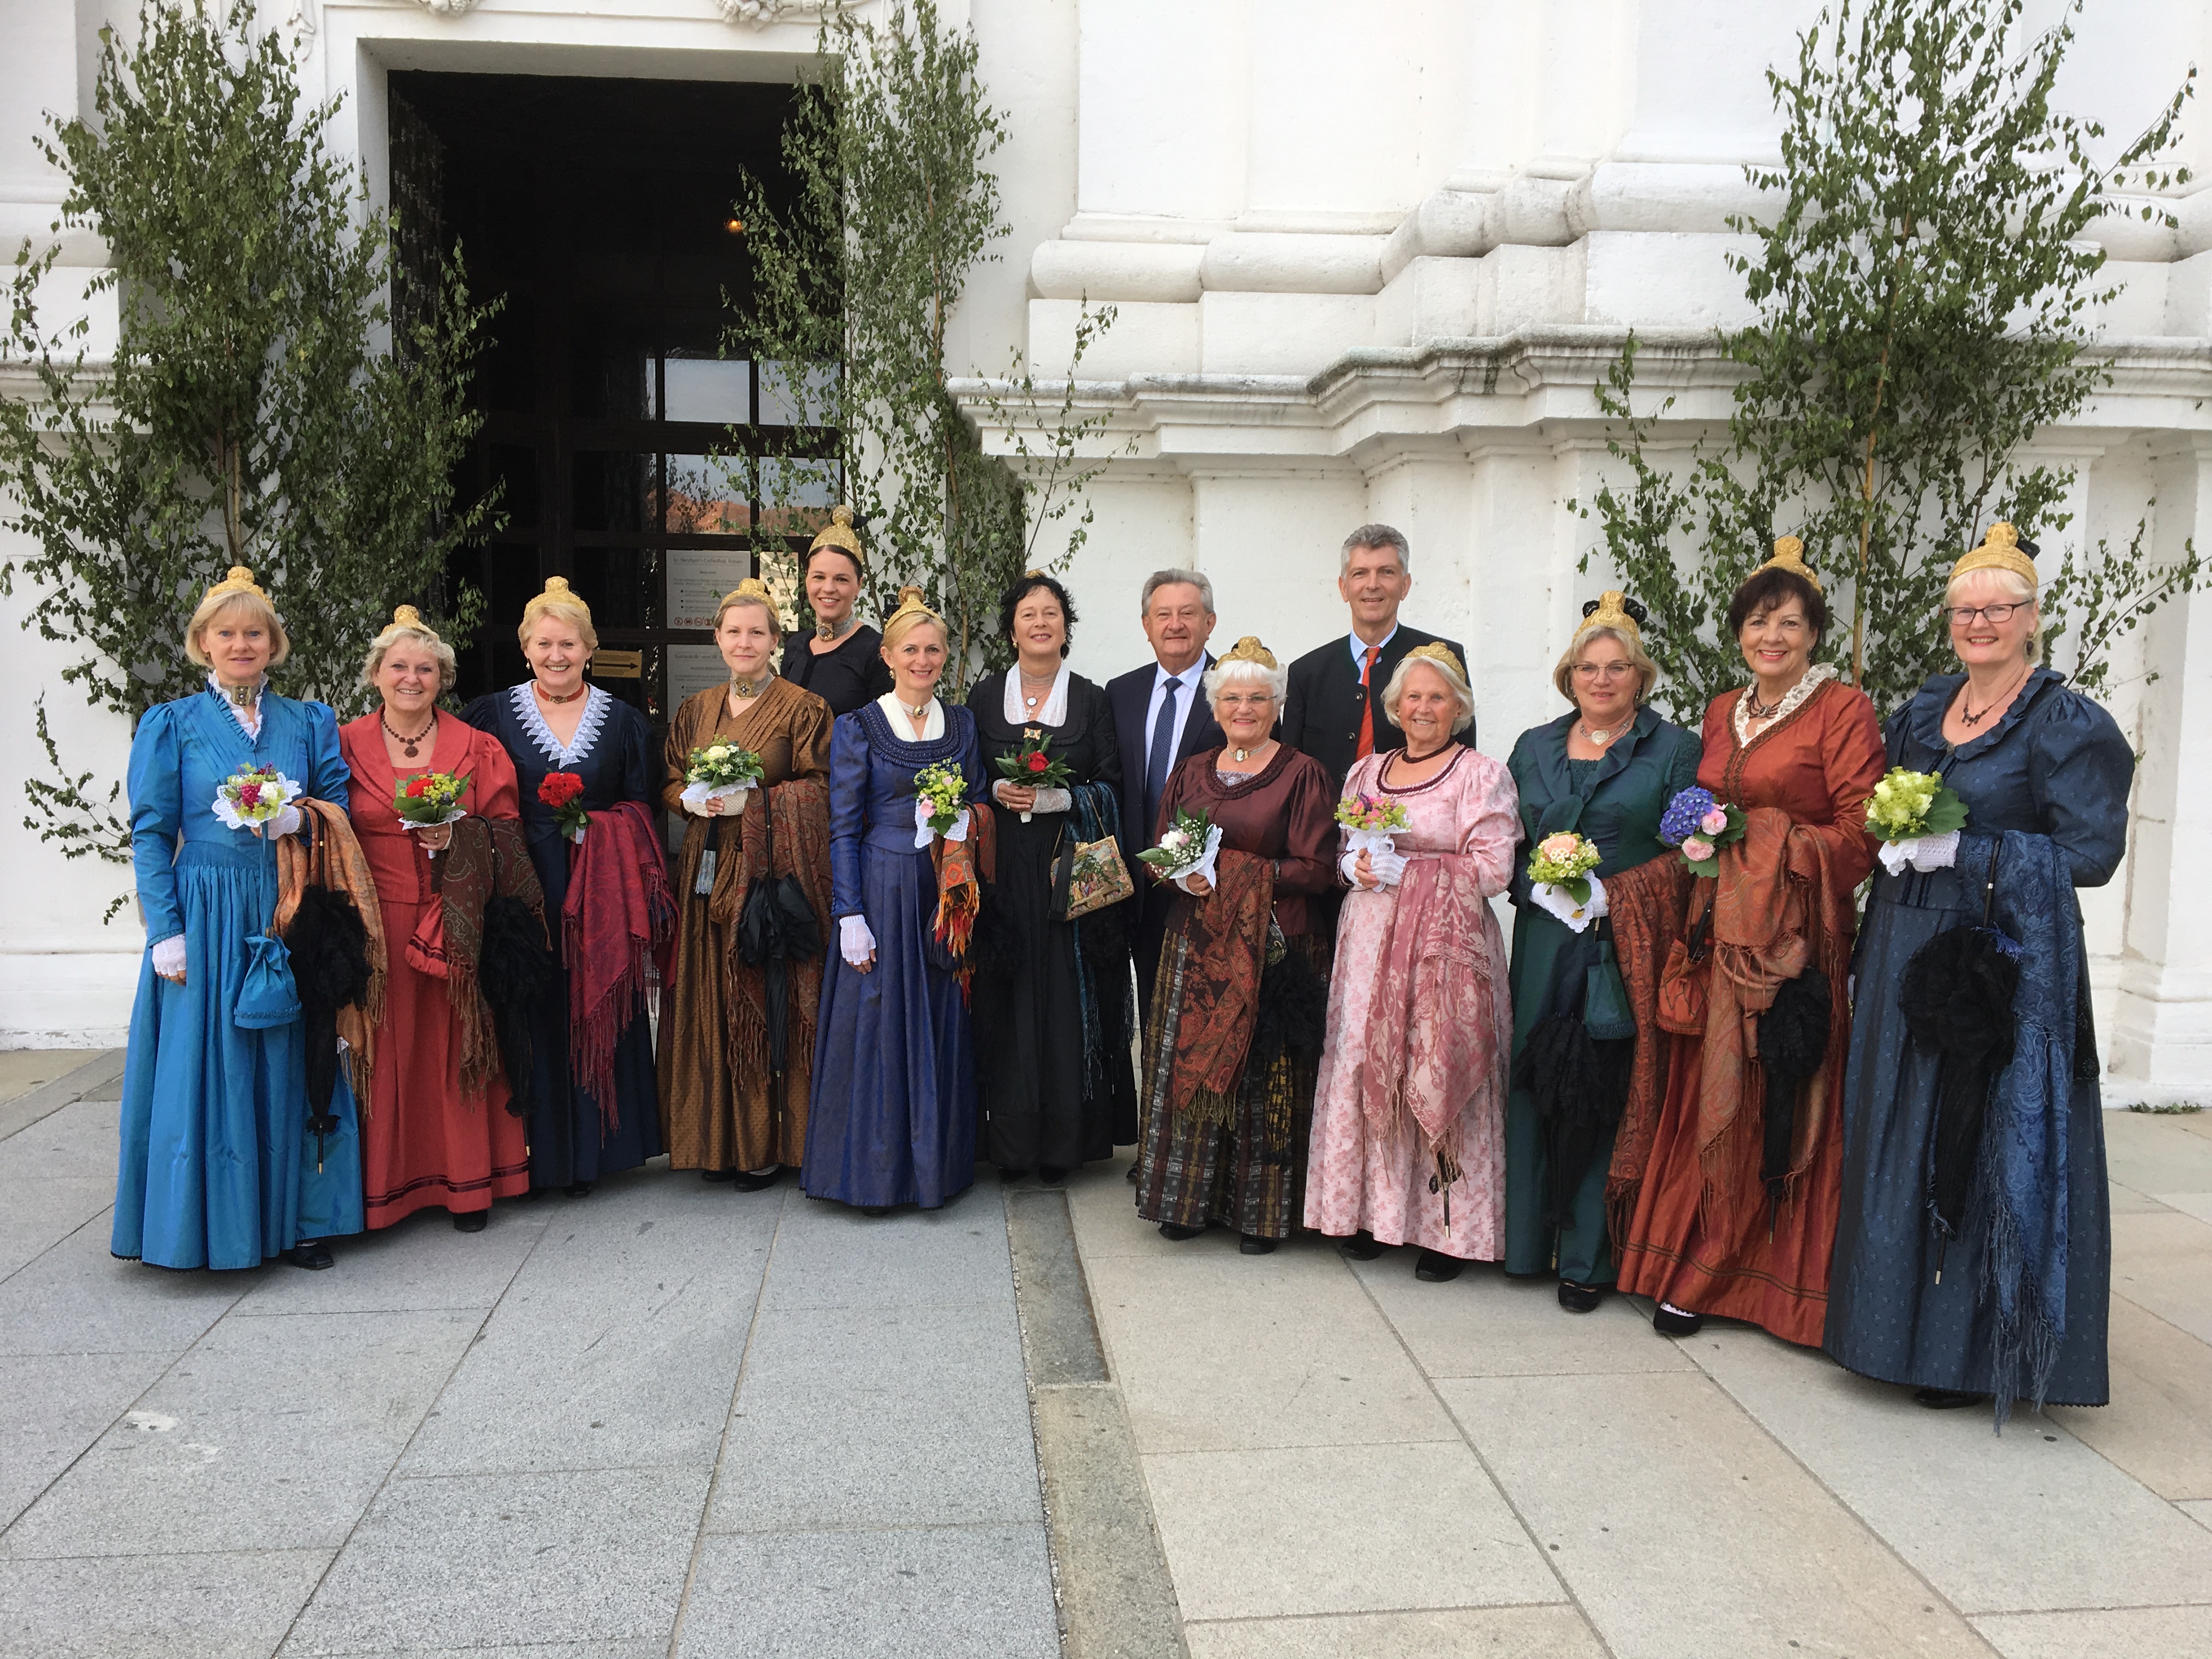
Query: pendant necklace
{"points": [[745, 687], [539, 686], [1030, 679], [918, 710], [1966, 709], [1605, 735], [827, 631], [402, 738]]}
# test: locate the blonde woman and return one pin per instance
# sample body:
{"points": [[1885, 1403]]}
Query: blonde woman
{"points": [[217, 1168]]}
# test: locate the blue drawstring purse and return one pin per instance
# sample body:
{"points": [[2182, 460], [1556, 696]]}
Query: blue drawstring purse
{"points": [[268, 996]]}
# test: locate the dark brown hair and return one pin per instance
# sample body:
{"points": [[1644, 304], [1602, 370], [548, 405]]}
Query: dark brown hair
{"points": [[1769, 585]]}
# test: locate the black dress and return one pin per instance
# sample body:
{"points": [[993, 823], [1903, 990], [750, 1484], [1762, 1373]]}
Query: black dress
{"points": [[612, 752], [854, 674], [1052, 1002]]}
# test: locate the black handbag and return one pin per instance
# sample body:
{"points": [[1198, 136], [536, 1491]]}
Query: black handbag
{"points": [[1606, 1015], [776, 927]]}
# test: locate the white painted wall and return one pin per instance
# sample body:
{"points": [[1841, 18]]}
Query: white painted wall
{"points": [[1369, 256]]}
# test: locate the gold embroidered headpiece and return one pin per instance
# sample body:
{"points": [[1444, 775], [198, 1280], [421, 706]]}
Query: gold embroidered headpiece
{"points": [[840, 534], [240, 580], [1615, 610], [1789, 555], [753, 591], [1249, 649], [1437, 651], [409, 617], [557, 593], [2000, 551]]}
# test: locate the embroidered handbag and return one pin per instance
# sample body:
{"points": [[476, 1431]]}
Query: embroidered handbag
{"points": [[268, 996], [1606, 1015], [1087, 876]]}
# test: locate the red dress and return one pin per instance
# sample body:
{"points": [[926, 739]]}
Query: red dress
{"points": [[1701, 1233], [424, 1143]]}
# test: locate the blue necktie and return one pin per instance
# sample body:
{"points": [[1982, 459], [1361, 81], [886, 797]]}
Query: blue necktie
{"points": [[1162, 751]]}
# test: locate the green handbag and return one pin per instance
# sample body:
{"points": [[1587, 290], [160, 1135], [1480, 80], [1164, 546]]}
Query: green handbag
{"points": [[1605, 1013]]}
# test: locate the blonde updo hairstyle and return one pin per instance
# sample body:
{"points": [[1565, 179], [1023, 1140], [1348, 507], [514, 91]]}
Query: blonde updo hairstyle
{"points": [[408, 628], [1447, 671], [235, 595], [751, 592], [563, 605], [1647, 671], [913, 612]]}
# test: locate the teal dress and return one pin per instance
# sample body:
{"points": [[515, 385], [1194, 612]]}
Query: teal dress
{"points": [[1617, 802]]}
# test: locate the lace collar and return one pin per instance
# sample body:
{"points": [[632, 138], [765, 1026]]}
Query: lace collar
{"points": [[932, 727], [247, 714], [1792, 700], [524, 701], [1054, 712]]}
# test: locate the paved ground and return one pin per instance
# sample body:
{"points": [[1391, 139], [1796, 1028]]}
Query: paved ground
{"points": [[670, 1419]]}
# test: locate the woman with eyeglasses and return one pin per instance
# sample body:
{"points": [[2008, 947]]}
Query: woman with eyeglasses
{"points": [[1605, 770], [1973, 1255]]}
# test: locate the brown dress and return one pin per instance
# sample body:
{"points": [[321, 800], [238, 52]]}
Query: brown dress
{"points": [[1700, 1232], [711, 1119]]}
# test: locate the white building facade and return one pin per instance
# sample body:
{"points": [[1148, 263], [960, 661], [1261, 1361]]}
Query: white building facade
{"points": [[1369, 257]]}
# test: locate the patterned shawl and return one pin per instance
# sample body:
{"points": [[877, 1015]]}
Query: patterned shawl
{"points": [[333, 858], [1645, 905], [1220, 951], [794, 823], [619, 922], [487, 857], [959, 894]]}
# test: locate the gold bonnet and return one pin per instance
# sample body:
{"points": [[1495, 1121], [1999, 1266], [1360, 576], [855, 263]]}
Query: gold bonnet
{"points": [[1437, 651], [1249, 649], [2000, 551], [1611, 612], [1789, 555], [557, 593], [239, 580], [753, 591], [840, 534], [409, 617]]}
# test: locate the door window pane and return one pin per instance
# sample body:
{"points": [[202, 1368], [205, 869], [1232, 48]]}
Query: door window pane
{"points": [[798, 394], [701, 389], [707, 495], [796, 495], [609, 490]]}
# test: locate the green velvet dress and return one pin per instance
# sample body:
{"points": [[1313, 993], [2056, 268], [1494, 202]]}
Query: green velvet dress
{"points": [[1616, 801]]}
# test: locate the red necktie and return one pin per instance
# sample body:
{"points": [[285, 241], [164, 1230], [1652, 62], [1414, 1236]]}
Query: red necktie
{"points": [[1367, 707]]}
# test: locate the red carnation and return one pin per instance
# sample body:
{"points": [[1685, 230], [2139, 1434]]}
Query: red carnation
{"points": [[414, 788], [560, 788], [249, 794], [1037, 762]]}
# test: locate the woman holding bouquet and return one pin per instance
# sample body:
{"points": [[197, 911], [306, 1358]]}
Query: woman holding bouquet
{"points": [[726, 1109], [1973, 1255], [1730, 1182], [438, 1130], [592, 1109], [892, 1116], [1238, 1009], [1604, 771], [1410, 1106], [842, 660], [1051, 1005], [218, 1169]]}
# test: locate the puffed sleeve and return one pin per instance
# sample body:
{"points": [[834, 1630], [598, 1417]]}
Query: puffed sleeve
{"points": [[498, 793], [1490, 823], [483, 713], [156, 782], [2080, 768], [678, 753], [1853, 760], [1308, 860], [848, 813], [1682, 764], [328, 775], [810, 739], [637, 766]]}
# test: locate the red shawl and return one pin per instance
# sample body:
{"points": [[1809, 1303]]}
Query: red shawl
{"points": [[619, 921]]}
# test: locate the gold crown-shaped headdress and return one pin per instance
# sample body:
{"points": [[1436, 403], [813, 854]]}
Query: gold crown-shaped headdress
{"points": [[239, 580], [557, 592], [1249, 649], [840, 534], [409, 617], [1611, 609], [751, 589], [912, 602], [1789, 555], [1437, 651], [2000, 551]]}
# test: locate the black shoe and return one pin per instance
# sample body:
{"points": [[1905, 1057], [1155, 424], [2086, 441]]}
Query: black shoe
{"points": [[1008, 1175], [1667, 1322], [755, 1181], [1580, 1299], [718, 1175], [471, 1221], [1170, 1230], [875, 1211], [1361, 1246], [1050, 1175], [309, 1253], [1252, 1244], [1944, 1400], [1131, 1176], [1437, 1268], [577, 1189]]}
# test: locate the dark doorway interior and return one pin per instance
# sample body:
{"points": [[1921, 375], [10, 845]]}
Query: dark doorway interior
{"points": [[628, 447]]}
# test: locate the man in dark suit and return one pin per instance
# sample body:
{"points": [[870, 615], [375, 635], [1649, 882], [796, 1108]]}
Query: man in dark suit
{"points": [[1160, 716], [1334, 709]]}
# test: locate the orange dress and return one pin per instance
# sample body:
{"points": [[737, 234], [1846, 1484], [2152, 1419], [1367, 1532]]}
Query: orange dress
{"points": [[424, 1142], [1701, 1233]]}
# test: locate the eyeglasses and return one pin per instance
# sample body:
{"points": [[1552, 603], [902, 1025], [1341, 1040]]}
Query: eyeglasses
{"points": [[1608, 670], [1965, 614]]}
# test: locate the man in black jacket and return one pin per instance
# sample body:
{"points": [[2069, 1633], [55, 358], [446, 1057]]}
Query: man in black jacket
{"points": [[1161, 716], [1333, 710]]}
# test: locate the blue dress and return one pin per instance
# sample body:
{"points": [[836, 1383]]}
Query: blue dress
{"points": [[2054, 765], [892, 1116], [216, 1169], [570, 1140]]}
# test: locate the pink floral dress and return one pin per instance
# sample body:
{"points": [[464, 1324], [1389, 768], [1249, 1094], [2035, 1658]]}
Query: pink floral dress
{"points": [[1413, 1076]]}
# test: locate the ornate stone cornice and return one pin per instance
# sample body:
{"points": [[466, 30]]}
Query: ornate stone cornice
{"points": [[447, 7], [759, 14]]}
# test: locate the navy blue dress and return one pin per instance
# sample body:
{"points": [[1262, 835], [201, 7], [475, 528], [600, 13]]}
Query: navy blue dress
{"points": [[892, 1116], [2054, 765], [612, 751]]}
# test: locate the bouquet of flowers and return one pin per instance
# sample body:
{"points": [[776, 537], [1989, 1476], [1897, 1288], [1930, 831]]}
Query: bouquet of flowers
{"points": [[253, 795], [562, 791], [1916, 818], [1369, 821], [1033, 766], [429, 798], [1560, 880], [940, 804], [1700, 826], [1188, 848], [719, 771]]}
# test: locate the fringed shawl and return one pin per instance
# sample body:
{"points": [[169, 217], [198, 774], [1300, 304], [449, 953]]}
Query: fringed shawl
{"points": [[959, 891], [618, 921], [333, 858], [487, 858], [1645, 906], [793, 823]]}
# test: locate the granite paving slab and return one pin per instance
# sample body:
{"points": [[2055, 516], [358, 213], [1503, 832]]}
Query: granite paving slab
{"points": [[232, 1605]]}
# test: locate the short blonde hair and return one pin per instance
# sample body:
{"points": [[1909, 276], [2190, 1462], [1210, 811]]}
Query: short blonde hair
{"points": [[1460, 689], [219, 603], [1647, 671], [1236, 669], [571, 611], [405, 634], [2013, 586]]}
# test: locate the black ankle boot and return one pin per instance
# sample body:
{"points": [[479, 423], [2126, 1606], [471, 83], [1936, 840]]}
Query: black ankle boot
{"points": [[1944, 1400], [1050, 1176], [309, 1253], [1361, 1246], [1437, 1268], [471, 1221], [1253, 1245], [718, 1175], [756, 1181], [577, 1189], [1170, 1230]]}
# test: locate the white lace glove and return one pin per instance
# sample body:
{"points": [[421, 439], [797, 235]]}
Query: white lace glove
{"points": [[1561, 903], [696, 795], [854, 942], [1924, 852], [286, 823], [923, 832], [1389, 869], [169, 957]]}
